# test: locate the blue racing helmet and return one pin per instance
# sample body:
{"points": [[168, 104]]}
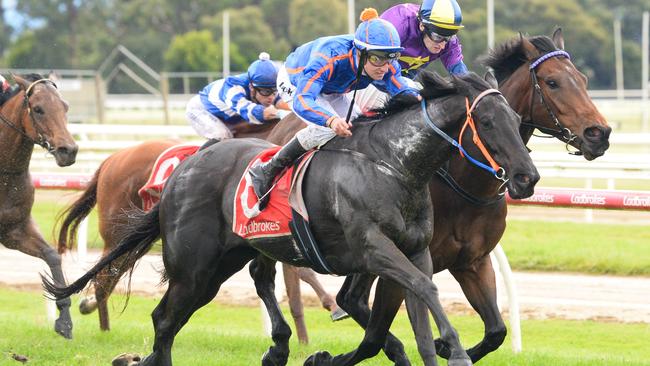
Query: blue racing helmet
{"points": [[375, 34], [263, 73]]}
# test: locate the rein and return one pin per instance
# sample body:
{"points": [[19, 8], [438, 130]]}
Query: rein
{"points": [[560, 132], [497, 171], [40, 141]]}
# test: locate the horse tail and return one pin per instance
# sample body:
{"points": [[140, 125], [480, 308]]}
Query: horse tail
{"points": [[75, 214], [142, 230]]}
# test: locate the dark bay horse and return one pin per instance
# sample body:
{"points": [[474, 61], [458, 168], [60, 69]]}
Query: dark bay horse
{"points": [[369, 199], [472, 215], [114, 190], [32, 114]]}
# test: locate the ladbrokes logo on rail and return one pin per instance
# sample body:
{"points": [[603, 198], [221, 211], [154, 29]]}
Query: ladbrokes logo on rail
{"points": [[258, 227], [636, 201], [588, 199], [541, 197]]}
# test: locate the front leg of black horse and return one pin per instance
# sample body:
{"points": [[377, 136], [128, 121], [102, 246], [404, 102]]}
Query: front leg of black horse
{"points": [[353, 298], [478, 284], [262, 270], [388, 299]]}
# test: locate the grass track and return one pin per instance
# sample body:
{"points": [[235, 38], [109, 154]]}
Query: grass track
{"points": [[220, 335]]}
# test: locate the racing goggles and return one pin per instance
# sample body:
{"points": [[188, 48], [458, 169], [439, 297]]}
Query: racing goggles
{"points": [[265, 92], [379, 59], [435, 37]]}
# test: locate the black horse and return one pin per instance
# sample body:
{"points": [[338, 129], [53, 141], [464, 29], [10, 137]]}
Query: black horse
{"points": [[371, 212]]}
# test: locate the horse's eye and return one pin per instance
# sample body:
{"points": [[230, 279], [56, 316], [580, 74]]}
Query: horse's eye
{"points": [[486, 124], [552, 84], [39, 110]]}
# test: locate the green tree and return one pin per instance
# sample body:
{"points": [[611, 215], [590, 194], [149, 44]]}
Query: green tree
{"points": [[250, 35], [309, 19], [193, 51]]}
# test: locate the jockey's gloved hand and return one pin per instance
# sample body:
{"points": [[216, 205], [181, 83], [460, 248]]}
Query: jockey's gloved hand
{"points": [[340, 126], [270, 112]]}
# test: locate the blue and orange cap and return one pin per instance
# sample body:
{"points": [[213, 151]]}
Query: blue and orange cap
{"points": [[442, 17], [375, 34], [263, 73]]}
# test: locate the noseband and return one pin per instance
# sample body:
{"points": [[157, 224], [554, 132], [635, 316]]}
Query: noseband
{"points": [[497, 171], [562, 133], [40, 141]]}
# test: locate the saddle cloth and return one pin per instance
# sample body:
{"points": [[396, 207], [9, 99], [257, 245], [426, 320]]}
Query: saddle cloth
{"points": [[251, 223], [165, 164]]}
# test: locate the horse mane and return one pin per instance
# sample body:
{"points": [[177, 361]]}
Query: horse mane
{"points": [[433, 86], [506, 58], [13, 90]]}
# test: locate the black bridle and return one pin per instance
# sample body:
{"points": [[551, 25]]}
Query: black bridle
{"points": [[560, 132], [41, 140]]}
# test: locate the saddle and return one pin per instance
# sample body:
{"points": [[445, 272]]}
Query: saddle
{"points": [[284, 215]]}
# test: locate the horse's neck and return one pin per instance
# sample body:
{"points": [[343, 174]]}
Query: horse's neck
{"points": [[16, 149], [412, 146]]}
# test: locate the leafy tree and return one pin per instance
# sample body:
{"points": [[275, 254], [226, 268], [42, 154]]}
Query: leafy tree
{"points": [[250, 34], [193, 51], [309, 19]]}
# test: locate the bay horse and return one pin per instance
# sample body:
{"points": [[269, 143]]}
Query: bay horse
{"points": [[369, 199], [114, 190], [33, 113], [552, 97]]}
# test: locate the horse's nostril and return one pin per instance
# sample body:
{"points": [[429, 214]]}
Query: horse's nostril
{"points": [[522, 178]]}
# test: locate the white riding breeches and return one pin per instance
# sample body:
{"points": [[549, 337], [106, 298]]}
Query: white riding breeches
{"points": [[205, 123], [315, 135]]}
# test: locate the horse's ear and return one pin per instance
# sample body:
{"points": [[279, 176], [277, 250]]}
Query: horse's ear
{"points": [[24, 84], [489, 77], [53, 76], [529, 49], [558, 39]]}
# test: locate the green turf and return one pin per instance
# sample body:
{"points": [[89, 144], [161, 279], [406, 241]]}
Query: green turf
{"points": [[232, 336], [578, 247]]}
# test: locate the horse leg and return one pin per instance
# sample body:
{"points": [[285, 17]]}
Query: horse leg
{"points": [[292, 284], [104, 285], [479, 287], [308, 275], [262, 271], [189, 290], [388, 299], [414, 275], [353, 298], [28, 240]]}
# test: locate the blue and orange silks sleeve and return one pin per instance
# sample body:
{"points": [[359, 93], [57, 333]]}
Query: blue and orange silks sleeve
{"points": [[310, 82], [251, 112], [395, 83]]}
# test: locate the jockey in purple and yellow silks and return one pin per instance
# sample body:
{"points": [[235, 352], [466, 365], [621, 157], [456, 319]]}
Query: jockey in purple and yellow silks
{"points": [[314, 82], [428, 32]]}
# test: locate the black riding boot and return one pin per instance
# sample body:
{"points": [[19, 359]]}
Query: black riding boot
{"points": [[262, 174]]}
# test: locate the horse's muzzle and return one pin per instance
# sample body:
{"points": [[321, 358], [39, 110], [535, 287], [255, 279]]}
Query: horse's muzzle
{"points": [[65, 155], [595, 141], [522, 185]]}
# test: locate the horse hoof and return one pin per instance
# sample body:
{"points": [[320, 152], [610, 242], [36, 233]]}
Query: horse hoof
{"points": [[88, 305], [460, 362], [441, 349], [63, 328], [126, 359], [270, 358], [323, 358], [338, 314]]}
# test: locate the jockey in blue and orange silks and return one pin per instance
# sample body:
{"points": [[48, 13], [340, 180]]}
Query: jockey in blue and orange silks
{"points": [[314, 82], [250, 97]]}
